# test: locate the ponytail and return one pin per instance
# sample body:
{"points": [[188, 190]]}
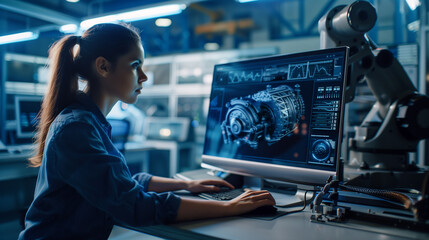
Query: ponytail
{"points": [[61, 92]]}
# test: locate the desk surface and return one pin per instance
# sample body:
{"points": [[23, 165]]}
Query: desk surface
{"points": [[292, 226], [15, 166]]}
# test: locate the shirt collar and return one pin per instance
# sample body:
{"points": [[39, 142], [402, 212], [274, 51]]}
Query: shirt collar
{"points": [[83, 99]]}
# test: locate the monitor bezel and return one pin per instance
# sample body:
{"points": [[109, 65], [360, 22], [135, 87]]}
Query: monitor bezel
{"points": [[290, 174], [18, 99]]}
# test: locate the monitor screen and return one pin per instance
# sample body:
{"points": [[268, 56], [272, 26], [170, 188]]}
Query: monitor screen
{"points": [[26, 110], [171, 128], [278, 117]]}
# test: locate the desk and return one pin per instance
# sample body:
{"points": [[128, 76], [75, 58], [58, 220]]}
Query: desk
{"points": [[15, 166], [292, 226]]}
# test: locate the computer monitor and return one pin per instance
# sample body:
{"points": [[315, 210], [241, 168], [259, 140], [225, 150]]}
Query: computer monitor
{"points": [[168, 128], [26, 110], [278, 117]]}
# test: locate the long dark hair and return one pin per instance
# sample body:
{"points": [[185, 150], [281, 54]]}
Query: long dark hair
{"points": [[72, 57]]}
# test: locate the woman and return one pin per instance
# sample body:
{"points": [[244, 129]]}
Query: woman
{"points": [[84, 185]]}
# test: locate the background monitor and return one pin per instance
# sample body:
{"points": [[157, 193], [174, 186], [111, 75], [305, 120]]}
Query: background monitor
{"points": [[27, 109], [278, 117], [168, 128]]}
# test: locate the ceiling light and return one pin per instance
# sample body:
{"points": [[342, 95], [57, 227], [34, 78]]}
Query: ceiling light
{"points": [[246, 1], [163, 22], [72, 1], [18, 37], [136, 15], [413, 4], [69, 28]]}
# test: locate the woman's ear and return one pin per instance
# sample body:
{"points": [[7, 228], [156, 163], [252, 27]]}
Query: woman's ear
{"points": [[102, 66]]}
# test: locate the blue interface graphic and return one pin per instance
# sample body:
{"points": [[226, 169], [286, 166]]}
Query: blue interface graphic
{"points": [[282, 110]]}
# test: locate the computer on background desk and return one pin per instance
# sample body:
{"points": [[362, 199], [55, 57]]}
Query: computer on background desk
{"points": [[278, 118], [27, 109]]}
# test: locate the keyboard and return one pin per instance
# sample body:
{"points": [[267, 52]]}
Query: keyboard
{"points": [[223, 194]]}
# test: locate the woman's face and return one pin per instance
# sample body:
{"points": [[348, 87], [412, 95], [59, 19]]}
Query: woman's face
{"points": [[126, 78]]}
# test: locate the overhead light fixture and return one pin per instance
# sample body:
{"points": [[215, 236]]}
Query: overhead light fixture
{"points": [[72, 1], [163, 22], [18, 37], [246, 1], [137, 15], [413, 4], [69, 28]]}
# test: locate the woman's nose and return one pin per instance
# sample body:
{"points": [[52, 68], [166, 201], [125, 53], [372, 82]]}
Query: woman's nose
{"points": [[142, 76]]}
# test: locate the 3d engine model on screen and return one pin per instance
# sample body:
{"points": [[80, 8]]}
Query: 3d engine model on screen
{"points": [[267, 115]]}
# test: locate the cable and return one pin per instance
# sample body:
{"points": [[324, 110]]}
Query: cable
{"points": [[322, 212], [420, 208], [397, 197], [294, 211]]}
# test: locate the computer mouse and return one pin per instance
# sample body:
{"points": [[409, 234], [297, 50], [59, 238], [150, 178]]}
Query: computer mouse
{"points": [[264, 210]]}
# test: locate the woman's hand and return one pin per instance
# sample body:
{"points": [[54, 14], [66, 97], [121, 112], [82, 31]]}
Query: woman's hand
{"points": [[197, 186], [250, 200], [192, 209]]}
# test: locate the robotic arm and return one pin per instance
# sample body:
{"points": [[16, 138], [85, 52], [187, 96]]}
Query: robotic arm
{"points": [[400, 117]]}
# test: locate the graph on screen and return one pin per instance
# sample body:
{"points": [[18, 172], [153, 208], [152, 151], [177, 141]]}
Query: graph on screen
{"points": [[243, 76], [319, 69]]}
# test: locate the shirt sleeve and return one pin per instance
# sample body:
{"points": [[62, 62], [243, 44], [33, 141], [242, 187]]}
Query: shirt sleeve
{"points": [[104, 180], [143, 179]]}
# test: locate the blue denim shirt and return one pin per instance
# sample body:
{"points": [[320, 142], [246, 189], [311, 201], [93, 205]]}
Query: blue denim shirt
{"points": [[84, 185]]}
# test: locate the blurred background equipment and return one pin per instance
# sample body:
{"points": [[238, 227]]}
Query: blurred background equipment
{"points": [[172, 140], [27, 115], [399, 118]]}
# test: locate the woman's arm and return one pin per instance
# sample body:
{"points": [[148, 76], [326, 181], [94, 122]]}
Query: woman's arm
{"points": [[103, 181], [192, 209], [161, 184]]}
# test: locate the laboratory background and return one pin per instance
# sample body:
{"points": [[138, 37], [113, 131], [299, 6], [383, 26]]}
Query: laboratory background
{"points": [[164, 132]]}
